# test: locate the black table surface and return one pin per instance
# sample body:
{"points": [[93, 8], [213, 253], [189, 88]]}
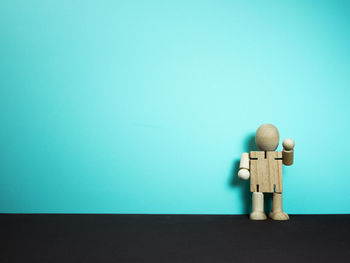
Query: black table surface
{"points": [[172, 238]]}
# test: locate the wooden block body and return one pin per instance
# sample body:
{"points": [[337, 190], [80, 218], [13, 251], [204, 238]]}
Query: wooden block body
{"points": [[266, 171]]}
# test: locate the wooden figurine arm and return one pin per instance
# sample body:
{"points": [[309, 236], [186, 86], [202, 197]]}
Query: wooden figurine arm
{"points": [[288, 151], [243, 172]]}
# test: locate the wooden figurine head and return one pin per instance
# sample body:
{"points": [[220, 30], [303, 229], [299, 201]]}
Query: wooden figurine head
{"points": [[267, 137]]}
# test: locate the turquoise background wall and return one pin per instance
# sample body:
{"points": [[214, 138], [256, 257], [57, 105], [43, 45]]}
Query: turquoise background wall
{"points": [[146, 106]]}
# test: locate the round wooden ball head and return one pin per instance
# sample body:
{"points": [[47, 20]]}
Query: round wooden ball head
{"points": [[267, 139]]}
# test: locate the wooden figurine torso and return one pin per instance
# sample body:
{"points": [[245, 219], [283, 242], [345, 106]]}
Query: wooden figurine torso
{"points": [[266, 171]]}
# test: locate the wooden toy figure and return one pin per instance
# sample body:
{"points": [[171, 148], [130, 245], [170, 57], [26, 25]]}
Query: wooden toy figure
{"points": [[264, 168]]}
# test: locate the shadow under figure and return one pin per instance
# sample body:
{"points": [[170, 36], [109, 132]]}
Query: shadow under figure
{"points": [[264, 167]]}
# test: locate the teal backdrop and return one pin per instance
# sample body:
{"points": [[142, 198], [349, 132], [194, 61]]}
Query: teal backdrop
{"points": [[146, 106]]}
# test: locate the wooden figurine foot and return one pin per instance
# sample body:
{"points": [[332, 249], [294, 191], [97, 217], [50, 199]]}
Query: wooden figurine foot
{"points": [[277, 210], [258, 207], [258, 215], [279, 215]]}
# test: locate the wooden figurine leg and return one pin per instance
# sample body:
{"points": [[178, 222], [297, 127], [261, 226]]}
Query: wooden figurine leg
{"points": [[258, 207], [277, 211]]}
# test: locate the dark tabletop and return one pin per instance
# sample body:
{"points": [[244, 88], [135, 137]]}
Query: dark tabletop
{"points": [[172, 238]]}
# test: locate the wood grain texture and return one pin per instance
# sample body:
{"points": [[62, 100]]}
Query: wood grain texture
{"points": [[288, 157], [267, 137], [266, 171], [244, 163]]}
